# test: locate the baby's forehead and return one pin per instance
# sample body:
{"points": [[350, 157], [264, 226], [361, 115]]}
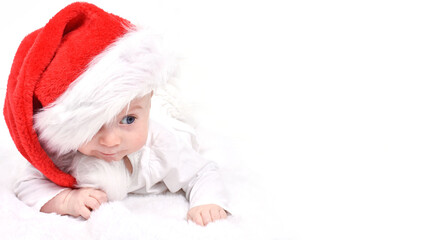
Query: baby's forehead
{"points": [[138, 103], [144, 100]]}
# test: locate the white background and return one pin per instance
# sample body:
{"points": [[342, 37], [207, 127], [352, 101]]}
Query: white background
{"points": [[324, 99]]}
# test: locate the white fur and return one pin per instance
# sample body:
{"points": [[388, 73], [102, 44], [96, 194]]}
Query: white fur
{"points": [[111, 177], [132, 66]]}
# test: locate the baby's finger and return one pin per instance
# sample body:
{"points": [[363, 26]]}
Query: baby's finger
{"points": [[206, 217], [197, 219], [215, 214], [92, 203], [99, 195], [85, 213], [223, 214]]}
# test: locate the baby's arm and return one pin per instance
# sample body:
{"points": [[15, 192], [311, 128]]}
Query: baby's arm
{"points": [[207, 195], [203, 186], [35, 190], [75, 202], [180, 166]]}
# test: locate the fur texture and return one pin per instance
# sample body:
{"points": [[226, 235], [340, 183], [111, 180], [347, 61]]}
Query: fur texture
{"points": [[111, 177]]}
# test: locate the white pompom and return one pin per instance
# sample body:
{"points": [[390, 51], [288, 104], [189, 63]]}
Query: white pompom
{"points": [[111, 177]]}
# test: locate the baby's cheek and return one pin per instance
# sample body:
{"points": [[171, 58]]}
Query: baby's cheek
{"points": [[136, 139], [84, 149], [139, 141]]}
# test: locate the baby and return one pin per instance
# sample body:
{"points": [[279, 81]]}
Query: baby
{"points": [[78, 106]]}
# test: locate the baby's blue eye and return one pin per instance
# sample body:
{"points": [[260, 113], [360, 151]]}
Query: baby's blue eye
{"points": [[128, 120]]}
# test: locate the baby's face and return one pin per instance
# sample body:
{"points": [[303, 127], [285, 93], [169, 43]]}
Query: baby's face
{"points": [[127, 135]]}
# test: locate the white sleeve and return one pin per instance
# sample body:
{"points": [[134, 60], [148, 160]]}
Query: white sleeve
{"points": [[207, 187], [34, 189]]}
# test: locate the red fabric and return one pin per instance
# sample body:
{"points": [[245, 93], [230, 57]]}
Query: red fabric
{"points": [[46, 62]]}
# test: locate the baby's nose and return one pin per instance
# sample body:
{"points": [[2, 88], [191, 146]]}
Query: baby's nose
{"points": [[109, 138]]}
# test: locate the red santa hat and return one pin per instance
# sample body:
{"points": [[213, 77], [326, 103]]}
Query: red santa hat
{"points": [[74, 75]]}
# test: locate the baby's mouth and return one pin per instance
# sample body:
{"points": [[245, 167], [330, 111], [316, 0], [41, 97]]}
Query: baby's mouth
{"points": [[109, 156]]}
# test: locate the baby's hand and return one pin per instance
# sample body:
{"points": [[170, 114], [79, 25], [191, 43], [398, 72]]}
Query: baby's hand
{"points": [[204, 214], [76, 202], [80, 202]]}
